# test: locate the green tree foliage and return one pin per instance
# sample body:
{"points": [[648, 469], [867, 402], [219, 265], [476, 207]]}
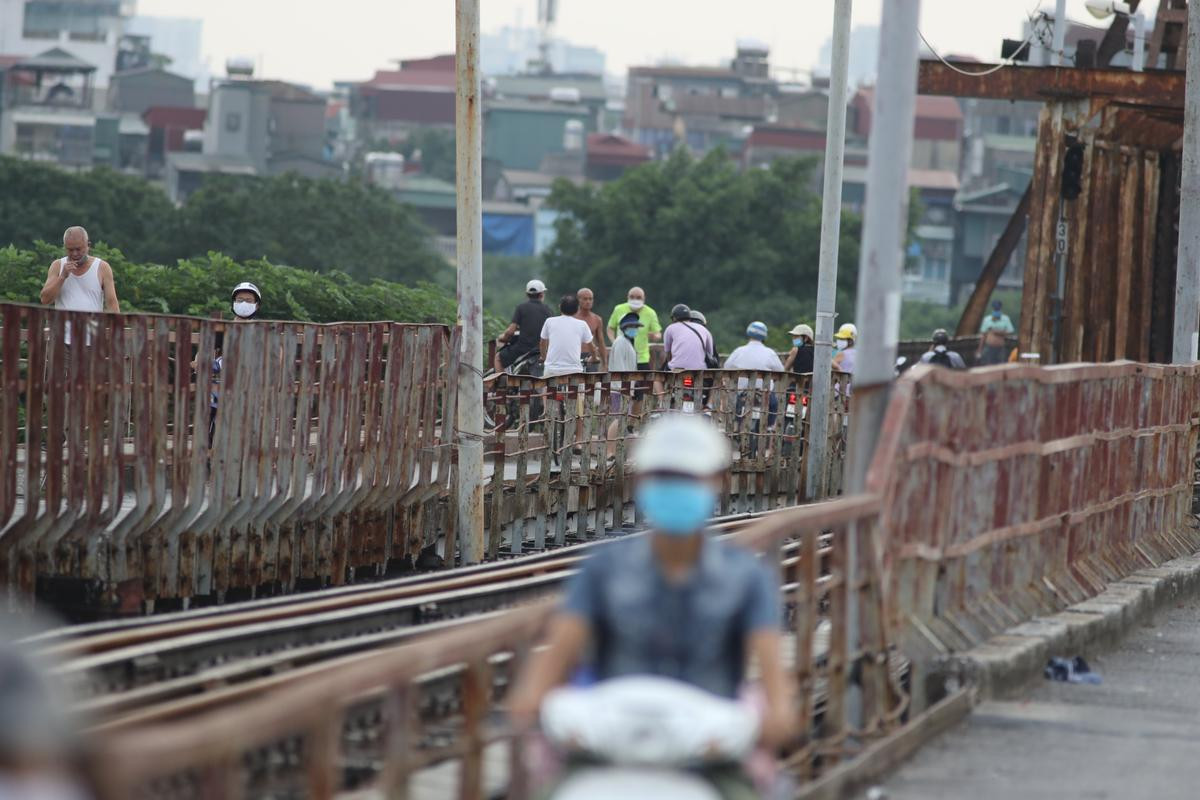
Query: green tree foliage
{"points": [[201, 286], [435, 149], [316, 224], [302, 222], [38, 202], [739, 246]]}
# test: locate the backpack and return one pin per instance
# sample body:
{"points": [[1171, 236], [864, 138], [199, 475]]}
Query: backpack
{"points": [[942, 359]]}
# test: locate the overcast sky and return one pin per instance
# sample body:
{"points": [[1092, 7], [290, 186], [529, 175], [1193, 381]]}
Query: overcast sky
{"points": [[349, 39]]}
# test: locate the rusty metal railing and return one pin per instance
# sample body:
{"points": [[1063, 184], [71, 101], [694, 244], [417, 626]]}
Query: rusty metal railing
{"points": [[559, 456], [325, 456], [326, 452], [1017, 491], [379, 723], [993, 496]]}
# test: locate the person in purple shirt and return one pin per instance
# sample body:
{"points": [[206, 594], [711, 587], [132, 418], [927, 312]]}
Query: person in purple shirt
{"points": [[686, 344]]}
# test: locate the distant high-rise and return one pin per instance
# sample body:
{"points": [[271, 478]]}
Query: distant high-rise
{"points": [[864, 55], [510, 50]]}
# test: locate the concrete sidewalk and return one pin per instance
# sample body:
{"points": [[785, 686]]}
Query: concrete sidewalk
{"points": [[1135, 736]]}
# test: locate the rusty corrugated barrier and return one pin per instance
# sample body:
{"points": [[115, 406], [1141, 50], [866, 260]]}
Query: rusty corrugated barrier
{"points": [[1011, 492], [995, 495], [373, 725], [326, 458], [325, 453]]}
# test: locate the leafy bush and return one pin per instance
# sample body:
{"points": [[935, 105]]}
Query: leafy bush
{"points": [[203, 285]]}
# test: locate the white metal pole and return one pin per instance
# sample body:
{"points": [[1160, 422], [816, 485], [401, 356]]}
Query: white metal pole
{"points": [[831, 231], [885, 219], [1139, 41], [469, 175], [1060, 32], [877, 314], [1187, 267]]}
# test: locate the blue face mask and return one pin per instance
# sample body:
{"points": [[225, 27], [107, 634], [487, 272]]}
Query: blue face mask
{"points": [[798, 342], [676, 506], [630, 333]]}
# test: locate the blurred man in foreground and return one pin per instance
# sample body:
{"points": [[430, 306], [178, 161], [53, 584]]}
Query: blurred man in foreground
{"points": [[39, 759], [674, 603]]}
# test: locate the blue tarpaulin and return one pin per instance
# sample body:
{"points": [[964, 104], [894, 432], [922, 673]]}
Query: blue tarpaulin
{"points": [[510, 234]]}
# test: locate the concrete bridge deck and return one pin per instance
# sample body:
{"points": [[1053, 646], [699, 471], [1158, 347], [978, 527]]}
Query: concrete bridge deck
{"points": [[1137, 735]]}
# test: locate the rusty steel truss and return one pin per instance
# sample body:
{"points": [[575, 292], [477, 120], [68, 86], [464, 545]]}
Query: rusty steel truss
{"points": [[1117, 240]]}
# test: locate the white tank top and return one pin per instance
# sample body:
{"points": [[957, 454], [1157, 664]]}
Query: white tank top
{"points": [[80, 293]]}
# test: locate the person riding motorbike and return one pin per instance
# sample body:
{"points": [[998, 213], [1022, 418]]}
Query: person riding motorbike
{"points": [[527, 321], [675, 603]]}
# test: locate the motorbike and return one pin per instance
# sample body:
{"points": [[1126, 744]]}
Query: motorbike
{"points": [[645, 736]]}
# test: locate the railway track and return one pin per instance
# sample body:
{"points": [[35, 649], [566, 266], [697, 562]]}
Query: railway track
{"points": [[132, 672]]}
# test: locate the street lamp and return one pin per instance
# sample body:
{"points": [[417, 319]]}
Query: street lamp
{"points": [[1103, 9]]}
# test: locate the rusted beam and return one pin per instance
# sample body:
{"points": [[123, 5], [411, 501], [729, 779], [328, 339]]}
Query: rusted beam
{"points": [[1153, 88], [972, 315]]}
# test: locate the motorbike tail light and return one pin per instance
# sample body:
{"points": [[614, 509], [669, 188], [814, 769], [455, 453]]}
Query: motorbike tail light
{"points": [[804, 400], [791, 399], [687, 381]]}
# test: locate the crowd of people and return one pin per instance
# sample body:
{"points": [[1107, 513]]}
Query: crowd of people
{"points": [[574, 341]]}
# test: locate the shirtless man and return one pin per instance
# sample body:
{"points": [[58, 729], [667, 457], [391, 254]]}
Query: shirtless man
{"points": [[596, 324]]}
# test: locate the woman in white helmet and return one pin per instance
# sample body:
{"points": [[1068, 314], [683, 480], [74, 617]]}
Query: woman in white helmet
{"points": [[246, 300]]}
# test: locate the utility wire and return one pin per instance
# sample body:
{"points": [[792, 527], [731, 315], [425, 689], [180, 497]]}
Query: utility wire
{"points": [[1033, 31]]}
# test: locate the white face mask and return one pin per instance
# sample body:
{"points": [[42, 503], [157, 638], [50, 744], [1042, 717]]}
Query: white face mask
{"points": [[244, 308], [841, 344], [637, 305]]}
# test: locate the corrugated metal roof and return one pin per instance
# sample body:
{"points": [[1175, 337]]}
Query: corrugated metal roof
{"points": [[55, 60], [591, 88]]}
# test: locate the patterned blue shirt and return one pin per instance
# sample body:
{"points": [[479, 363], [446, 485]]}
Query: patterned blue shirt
{"points": [[694, 631]]}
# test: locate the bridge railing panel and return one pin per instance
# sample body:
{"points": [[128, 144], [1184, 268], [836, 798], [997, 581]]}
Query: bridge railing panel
{"points": [[374, 724], [559, 454], [1014, 492], [314, 451]]}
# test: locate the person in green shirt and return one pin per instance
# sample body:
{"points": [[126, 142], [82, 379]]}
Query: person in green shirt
{"points": [[651, 329], [994, 333]]}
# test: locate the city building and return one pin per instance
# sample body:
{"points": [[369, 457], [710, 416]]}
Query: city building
{"points": [[586, 90], [136, 90], [999, 140], [46, 108], [699, 107], [536, 136], [90, 30], [420, 94], [609, 156], [171, 130], [768, 142], [255, 127], [937, 128], [934, 174]]}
